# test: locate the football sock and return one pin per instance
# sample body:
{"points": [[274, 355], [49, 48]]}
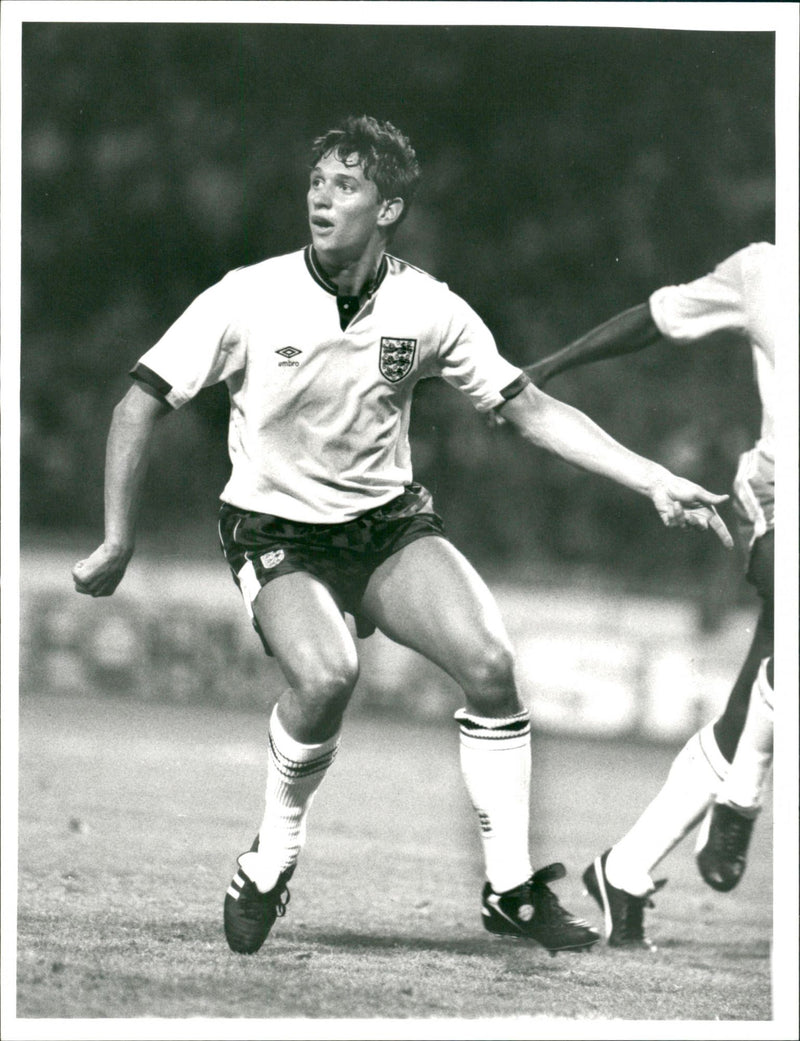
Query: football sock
{"points": [[744, 786], [496, 765], [294, 773], [693, 780]]}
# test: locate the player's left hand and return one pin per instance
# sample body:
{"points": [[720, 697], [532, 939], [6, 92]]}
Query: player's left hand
{"points": [[682, 504]]}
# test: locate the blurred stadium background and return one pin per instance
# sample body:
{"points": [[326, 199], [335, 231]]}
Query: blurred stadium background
{"points": [[568, 173]]}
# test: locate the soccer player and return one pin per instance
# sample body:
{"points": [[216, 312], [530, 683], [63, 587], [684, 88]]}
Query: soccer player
{"points": [[320, 350], [720, 774]]}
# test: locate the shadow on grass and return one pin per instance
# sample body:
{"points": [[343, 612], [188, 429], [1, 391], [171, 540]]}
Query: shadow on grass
{"points": [[369, 943]]}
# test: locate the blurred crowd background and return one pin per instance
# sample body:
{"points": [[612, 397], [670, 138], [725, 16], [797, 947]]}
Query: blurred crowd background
{"points": [[568, 172]]}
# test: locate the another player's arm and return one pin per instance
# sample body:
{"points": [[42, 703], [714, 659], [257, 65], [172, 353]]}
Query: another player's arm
{"points": [[568, 433], [127, 455], [629, 331]]}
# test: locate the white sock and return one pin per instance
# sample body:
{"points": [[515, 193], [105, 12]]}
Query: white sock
{"points": [[496, 764], [294, 774], [692, 782], [744, 786]]}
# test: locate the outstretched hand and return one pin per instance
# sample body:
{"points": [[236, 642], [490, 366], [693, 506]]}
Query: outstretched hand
{"points": [[101, 573], [682, 504]]}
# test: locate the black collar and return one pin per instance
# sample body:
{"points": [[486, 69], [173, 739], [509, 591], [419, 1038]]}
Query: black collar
{"points": [[319, 276]]}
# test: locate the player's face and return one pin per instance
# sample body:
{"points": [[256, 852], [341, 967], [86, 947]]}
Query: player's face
{"points": [[344, 209]]}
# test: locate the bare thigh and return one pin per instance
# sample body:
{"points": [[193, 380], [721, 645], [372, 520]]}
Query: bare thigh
{"points": [[305, 630], [428, 597]]}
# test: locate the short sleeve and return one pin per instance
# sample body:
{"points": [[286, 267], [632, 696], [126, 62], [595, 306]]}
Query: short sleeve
{"points": [[468, 359], [714, 302], [202, 347]]}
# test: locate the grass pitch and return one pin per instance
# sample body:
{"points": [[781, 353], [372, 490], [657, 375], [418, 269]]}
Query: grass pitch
{"points": [[131, 816]]}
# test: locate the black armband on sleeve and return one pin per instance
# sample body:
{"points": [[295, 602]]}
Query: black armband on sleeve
{"points": [[514, 388], [151, 381]]}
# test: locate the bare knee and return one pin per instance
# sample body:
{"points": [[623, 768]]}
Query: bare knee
{"points": [[489, 682], [313, 707], [493, 666], [328, 683]]}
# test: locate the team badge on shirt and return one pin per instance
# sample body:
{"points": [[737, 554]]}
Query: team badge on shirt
{"points": [[396, 358]]}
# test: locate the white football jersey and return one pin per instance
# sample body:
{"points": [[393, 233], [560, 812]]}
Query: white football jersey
{"points": [[319, 415], [738, 294]]}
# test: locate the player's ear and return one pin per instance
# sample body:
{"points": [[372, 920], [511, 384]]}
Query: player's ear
{"points": [[390, 212]]}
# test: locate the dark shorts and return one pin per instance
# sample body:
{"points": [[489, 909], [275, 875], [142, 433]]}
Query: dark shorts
{"points": [[260, 548], [761, 575]]}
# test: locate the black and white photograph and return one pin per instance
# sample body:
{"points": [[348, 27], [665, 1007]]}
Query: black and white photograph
{"points": [[394, 399]]}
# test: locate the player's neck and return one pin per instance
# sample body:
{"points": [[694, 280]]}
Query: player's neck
{"points": [[351, 275]]}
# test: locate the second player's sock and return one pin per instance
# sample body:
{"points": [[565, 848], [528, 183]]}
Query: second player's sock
{"points": [[694, 777], [496, 765], [294, 773]]}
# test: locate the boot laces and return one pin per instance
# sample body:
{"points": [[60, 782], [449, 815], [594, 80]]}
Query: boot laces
{"points": [[734, 834], [283, 901], [253, 901], [538, 893], [632, 924]]}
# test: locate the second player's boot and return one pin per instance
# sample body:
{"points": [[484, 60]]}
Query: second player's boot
{"points": [[532, 912], [249, 914], [722, 846], [623, 913]]}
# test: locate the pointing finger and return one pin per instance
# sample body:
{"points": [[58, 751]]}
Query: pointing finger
{"points": [[718, 526], [709, 498]]}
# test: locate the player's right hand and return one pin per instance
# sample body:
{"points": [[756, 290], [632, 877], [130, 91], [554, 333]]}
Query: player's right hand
{"points": [[682, 504], [101, 573]]}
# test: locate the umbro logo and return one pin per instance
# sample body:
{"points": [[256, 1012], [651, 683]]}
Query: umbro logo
{"points": [[289, 353]]}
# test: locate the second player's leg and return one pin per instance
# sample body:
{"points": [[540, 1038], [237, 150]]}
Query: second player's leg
{"points": [[761, 575], [695, 778], [749, 717]]}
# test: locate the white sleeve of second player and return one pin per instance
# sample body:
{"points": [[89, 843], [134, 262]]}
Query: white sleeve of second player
{"points": [[201, 348], [468, 359], [693, 310]]}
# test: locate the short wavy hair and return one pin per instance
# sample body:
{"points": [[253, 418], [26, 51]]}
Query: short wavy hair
{"points": [[384, 152]]}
